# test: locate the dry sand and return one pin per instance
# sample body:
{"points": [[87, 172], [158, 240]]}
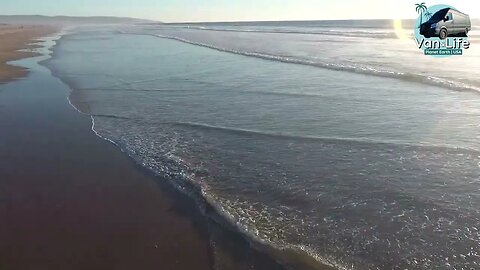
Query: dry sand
{"points": [[14, 38]]}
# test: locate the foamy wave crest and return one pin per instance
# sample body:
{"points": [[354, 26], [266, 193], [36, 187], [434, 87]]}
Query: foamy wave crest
{"points": [[359, 33], [411, 77], [180, 174], [249, 229]]}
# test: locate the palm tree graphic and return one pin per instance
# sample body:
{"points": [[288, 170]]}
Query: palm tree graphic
{"points": [[421, 8], [427, 15]]}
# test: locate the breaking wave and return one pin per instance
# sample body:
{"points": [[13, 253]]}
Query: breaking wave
{"points": [[404, 76]]}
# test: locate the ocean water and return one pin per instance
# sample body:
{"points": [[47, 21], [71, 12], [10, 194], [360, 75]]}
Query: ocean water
{"points": [[339, 140]]}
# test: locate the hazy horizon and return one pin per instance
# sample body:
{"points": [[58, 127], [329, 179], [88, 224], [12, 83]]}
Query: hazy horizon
{"points": [[184, 22], [172, 11]]}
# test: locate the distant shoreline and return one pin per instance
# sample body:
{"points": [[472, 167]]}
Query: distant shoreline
{"points": [[15, 45]]}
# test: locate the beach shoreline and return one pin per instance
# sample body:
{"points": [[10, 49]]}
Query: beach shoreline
{"points": [[75, 201], [125, 149], [253, 251], [15, 45]]}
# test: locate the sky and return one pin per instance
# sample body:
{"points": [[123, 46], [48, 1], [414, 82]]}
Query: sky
{"points": [[231, 10]]}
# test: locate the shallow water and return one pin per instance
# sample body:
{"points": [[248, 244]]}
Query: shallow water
{"points": [[361, 170]]}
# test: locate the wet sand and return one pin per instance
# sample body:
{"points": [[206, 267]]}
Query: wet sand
{"points": [[71, 200], [14, 38]]}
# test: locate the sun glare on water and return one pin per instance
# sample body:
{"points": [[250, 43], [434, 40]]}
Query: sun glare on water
{"points": [[399, 30]]}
